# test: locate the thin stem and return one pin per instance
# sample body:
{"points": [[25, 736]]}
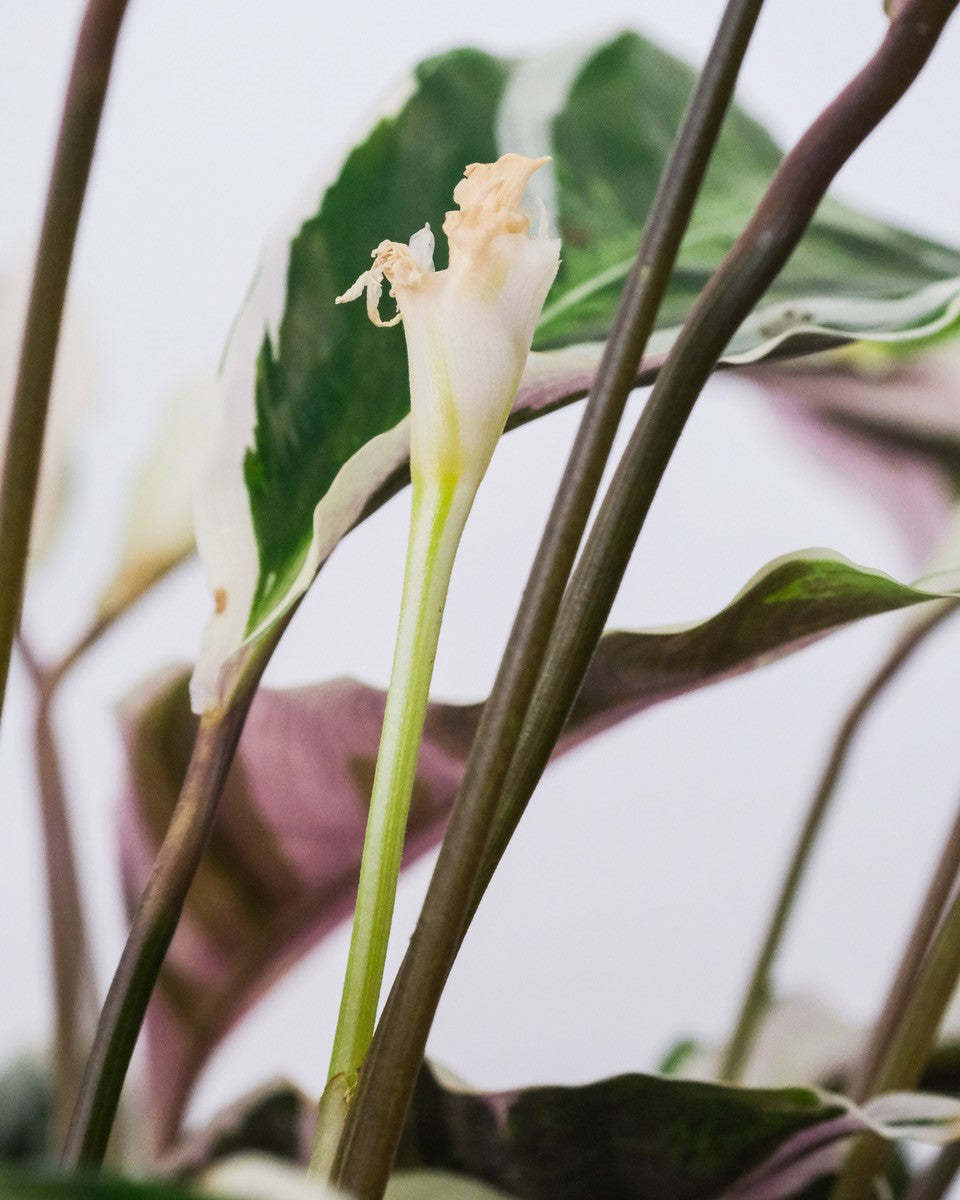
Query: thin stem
{"points": [[935, 1181], [86, 641], [158, 913], [909, 1048], [386, 1083], [75, 1004], [74, 993], [74, 989], [71, 166], [438, 513], [439, 509], [893, 1013], [755, 1000]]}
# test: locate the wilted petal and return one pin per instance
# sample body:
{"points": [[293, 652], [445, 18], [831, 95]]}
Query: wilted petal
{"points": [[468, 328]]}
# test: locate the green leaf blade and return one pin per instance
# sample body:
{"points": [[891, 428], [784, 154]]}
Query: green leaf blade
{"points": [[315, 398], [333, 381]]}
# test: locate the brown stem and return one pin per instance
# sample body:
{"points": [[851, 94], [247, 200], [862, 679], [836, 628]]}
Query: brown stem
{"points": [[158, 912], [935, 1181], [74, 988], [75, 1004], [83, 106], [74, 991]]}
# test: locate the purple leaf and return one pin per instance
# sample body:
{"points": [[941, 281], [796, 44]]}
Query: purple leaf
{"points": [[893, 430]]}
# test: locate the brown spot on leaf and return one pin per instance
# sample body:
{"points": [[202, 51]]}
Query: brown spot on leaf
{"points": [[219, 600]]}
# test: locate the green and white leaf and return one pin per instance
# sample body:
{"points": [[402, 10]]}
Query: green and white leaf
{"points": [[313, 422]]}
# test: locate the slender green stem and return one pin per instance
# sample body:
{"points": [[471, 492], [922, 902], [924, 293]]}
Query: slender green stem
{"points": [[71, 166], [158, 912], [646, 284], [439, 510], [387, 1081], [756, 998]]}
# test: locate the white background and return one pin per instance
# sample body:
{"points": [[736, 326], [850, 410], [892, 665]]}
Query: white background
{"points": [[627, 912]]}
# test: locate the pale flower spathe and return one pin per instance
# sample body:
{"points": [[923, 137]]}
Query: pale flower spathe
{"points": [[468, 328]]}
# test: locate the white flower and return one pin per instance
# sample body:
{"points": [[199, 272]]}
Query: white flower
{"points": [[468, 328]]}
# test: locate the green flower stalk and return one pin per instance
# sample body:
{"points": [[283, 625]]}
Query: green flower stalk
{"points": [[468, 332]]}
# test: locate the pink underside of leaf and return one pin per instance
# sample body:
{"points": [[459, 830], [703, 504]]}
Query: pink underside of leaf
{"points": [[313, 746], [922, 397]]}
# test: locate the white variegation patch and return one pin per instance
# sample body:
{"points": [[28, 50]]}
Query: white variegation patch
{"points": [[537, 90]]}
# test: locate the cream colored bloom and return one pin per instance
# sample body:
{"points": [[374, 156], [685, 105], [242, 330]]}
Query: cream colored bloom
{"points": [[468, 328]]}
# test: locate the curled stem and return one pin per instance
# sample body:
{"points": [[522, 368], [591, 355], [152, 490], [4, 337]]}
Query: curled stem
{"points": [[79, 125], [759, 988], [386, 1083]]}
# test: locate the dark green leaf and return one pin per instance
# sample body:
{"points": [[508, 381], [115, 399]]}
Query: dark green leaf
{"points": [[647, 1137]]}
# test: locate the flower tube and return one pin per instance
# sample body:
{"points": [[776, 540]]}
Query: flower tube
{"points": [[468, 332]]}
